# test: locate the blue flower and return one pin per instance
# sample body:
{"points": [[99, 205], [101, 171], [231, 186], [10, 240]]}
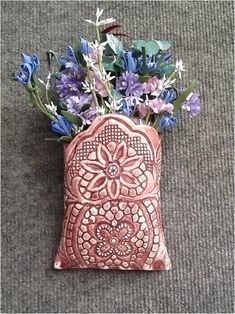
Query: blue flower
{"points": [[168, 95], [130, 62], [62, 126], [127, 105], [70, 54], [150, 62], [29, 67], [85, 47], [167, 121]]}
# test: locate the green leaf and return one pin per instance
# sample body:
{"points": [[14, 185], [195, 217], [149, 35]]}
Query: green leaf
{"points": [[116, 94], [120, 63], [71, 117], [50, 55], [115, 44], [62, 104], [164, 44], [109, 66], [181, 99], [168, 69], [56, 75], [151, 46], [144, 78], [67, 138]]}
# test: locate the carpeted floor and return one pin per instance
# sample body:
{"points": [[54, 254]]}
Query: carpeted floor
{"points": [[197, 185]]}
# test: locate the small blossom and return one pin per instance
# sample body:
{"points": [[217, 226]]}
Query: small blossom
{"points": [[167, 121], [88, 116], [167, 83], [130, 84], [74, 104], [158, 105], [52, 108], [99, 85], [102, 22], [153, 86], [179, 67], [192, 104], [70, 82]]}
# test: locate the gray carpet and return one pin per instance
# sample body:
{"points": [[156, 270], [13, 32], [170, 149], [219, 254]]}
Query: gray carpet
{"points": [[197, 185]]}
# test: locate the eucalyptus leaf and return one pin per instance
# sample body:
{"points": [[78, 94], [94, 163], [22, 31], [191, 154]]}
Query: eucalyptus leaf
{"points": [[116, 94], [109, 66], [181, 99], [164, 44], [168, 69], [71, 117], [115, 44], [151, 46], [56, 75], [62, 104]]}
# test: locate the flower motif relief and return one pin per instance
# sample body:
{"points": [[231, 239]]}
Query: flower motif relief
{"points": [[113, 240], [112, 169]]}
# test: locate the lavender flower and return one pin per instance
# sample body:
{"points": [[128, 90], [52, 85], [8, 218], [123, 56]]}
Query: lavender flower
{"points": [[70, 82], [74, 104], [88, 116], [192, 104], [130, 84]]}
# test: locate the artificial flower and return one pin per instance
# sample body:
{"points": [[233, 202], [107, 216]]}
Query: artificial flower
{"points": [[167, 121], [129, 83], [153, 86], [70, 82], [192, 104], [74, 104], [62, 126]]}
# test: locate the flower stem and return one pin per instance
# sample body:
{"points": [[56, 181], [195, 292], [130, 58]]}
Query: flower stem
{"points": [[156, 122], [38, 102], [92, 90]]}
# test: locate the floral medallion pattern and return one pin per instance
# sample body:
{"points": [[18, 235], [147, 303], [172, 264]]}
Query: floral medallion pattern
{"points": [[112, 168]]}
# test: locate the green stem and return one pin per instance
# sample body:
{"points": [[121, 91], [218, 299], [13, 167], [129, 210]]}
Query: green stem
{"points": [[40, 105], [145, 70], [92, 90], [156, 123], [147, 117], [97, 32]]}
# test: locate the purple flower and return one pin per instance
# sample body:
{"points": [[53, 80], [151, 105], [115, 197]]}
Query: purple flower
{"points": [[70, 82], [88, 116], [192, 104], [74, 104], [130, 84]]}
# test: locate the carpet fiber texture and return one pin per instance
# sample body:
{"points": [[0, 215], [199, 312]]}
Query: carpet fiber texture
{"points": [[197, 181]]}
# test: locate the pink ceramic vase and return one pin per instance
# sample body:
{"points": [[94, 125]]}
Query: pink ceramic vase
{"points": [[112, 217]]}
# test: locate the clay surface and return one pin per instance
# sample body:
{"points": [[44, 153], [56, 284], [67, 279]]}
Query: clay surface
{"points": [[112, 216]]}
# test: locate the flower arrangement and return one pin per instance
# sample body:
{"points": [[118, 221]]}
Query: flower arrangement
{"points": [[100, 77]]}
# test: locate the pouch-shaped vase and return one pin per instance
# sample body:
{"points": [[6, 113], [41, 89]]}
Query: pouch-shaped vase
{"points": [[112, 217]]}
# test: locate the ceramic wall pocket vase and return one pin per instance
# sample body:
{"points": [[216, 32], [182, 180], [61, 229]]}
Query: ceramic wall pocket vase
{"points": [[112, 217]]}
